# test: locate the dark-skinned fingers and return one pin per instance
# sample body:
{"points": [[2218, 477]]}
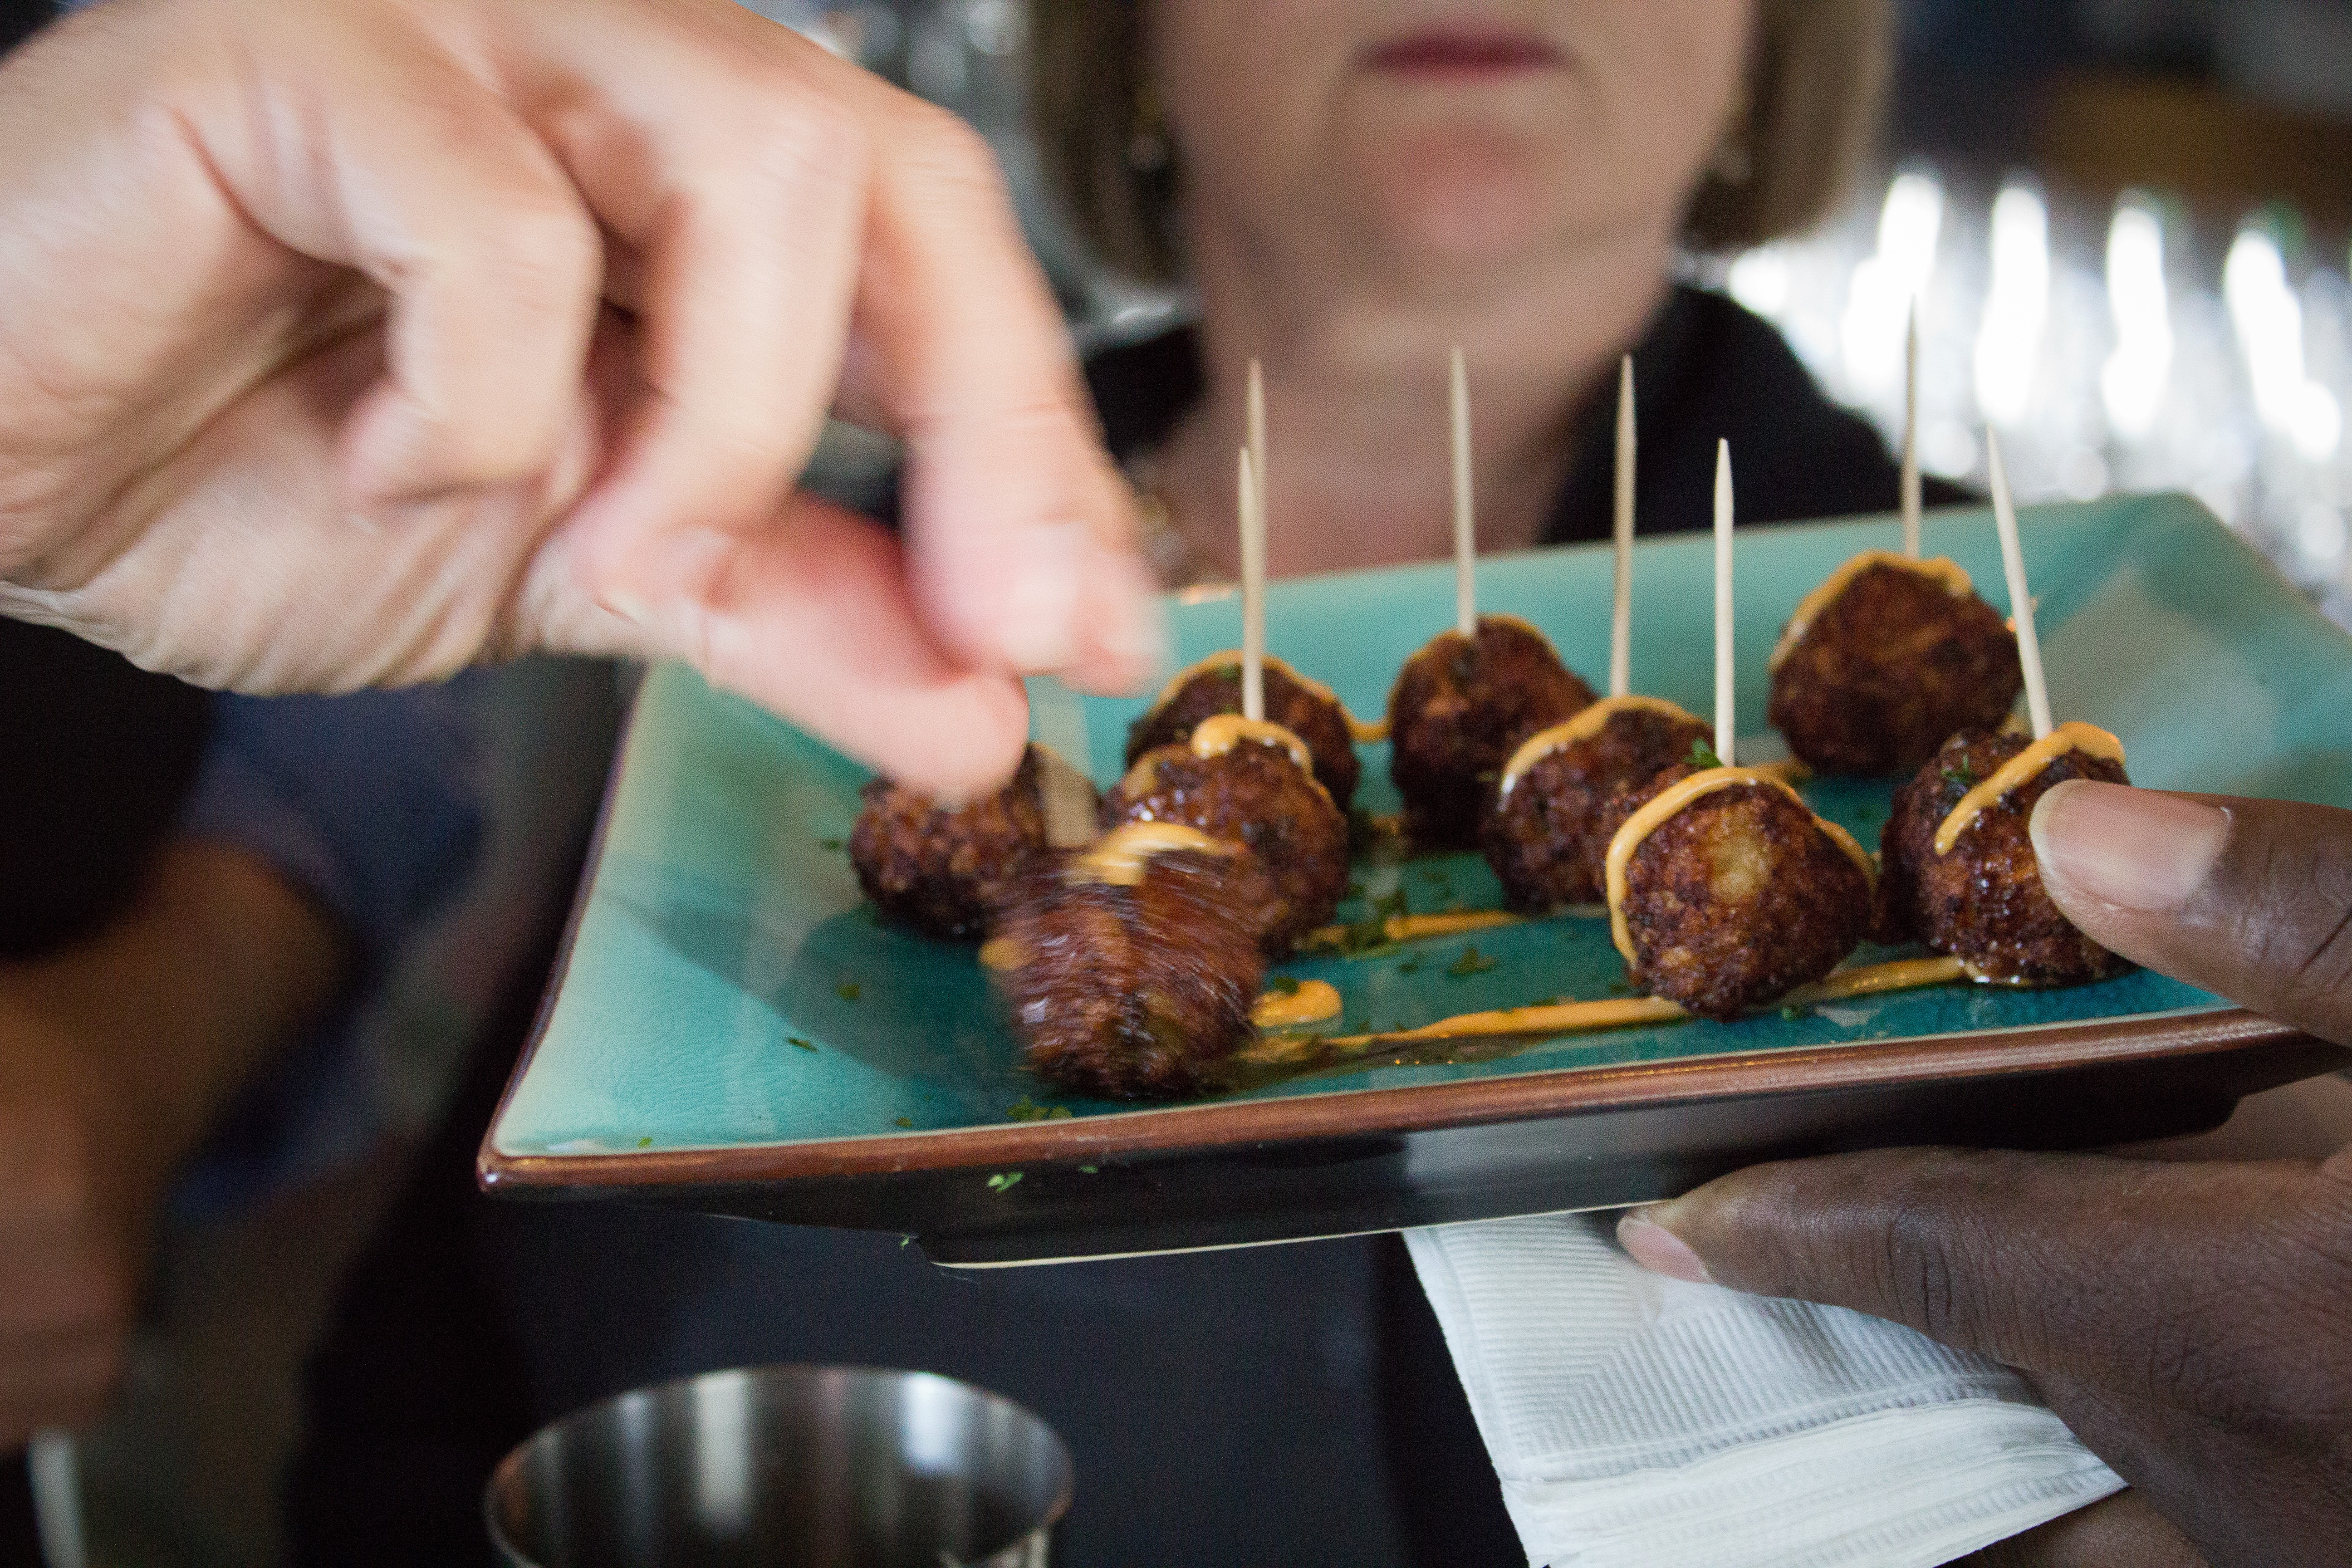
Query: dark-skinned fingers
{"points": [[2199, 1285], [2250, 898], [2119, 1532], [2259, 1495]]}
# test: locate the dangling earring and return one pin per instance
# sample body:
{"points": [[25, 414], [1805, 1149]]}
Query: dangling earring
{"points": [[1148, 149]]}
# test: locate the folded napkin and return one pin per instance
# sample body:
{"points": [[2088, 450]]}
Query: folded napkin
{"points": [[1640, 1421]]}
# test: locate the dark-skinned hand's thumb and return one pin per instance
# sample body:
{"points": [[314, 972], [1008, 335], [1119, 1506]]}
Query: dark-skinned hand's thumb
{"points": [[2250, 898]]}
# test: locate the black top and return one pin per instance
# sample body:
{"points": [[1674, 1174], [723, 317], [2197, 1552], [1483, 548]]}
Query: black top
{"points": [[1705, 370]]}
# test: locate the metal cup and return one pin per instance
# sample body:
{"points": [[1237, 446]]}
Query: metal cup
{"points": [[785, 1467]]}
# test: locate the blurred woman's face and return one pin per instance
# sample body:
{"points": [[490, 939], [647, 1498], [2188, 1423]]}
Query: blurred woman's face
{"points": [[1433, 141]]}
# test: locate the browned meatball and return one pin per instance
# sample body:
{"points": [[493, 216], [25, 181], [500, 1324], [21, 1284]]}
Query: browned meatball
{"points": [[1983, 903], [1135, 989], [1545, 838], [1459, 709], [1308, 711], [1738, 899], [1891, 666], [943, 871], [1253, 794]]}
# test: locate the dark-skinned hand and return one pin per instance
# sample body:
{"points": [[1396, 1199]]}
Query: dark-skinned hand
{"points": [[2192, 1323]]}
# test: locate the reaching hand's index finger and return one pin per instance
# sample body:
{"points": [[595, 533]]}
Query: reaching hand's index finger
{"points": [[1023, 536], [2136, 1276]]}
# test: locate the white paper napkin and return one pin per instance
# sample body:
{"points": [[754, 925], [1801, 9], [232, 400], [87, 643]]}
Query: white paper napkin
{"points": [[1640, 1422]]}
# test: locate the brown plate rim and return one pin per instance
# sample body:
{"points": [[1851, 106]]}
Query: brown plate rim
{"points": [[1558, 1092]]}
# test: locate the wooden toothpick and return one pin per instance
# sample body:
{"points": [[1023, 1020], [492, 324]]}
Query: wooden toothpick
{"points": [[1911, 437], [1621, 609], [2020, 601], [1253, 591], [1724, 715], [1466, 541], [1066, 796], [1257, 430]]}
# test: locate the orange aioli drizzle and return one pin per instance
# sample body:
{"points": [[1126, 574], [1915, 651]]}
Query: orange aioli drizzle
{"points": [[1314, 1001], [1120, 857], [1675, 796], [1221, 732], [1809, 608], [1617, 1013], [1552, 1018], [1411, 928], [1214, 737], [1872, 979], [2071, 736], [1588, 721], [1450, 634]]}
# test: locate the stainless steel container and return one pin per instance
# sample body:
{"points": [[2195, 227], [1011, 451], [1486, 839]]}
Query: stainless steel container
{"points": [[785, 1467]]}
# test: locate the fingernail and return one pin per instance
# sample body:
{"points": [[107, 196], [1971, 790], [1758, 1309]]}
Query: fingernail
{"points": [[1037, 621], [1660, 1250], [2136, 849]]}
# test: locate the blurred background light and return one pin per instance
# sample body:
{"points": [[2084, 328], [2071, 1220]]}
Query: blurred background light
{"points": [[2009, 342]]}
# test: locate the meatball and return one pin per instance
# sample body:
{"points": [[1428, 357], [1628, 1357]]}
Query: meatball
{"points": [[1303, 707], [1888, 669], [1131, 968], [1736, 898], [1258, 795], [1983, 903], [946, 871], [1459, 708], [1544, 834]]}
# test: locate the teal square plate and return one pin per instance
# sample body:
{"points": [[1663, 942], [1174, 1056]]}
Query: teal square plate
{"points": [[730, 1029]]}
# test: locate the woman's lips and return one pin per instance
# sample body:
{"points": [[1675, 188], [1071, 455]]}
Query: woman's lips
{"points": [[1464, 54]]}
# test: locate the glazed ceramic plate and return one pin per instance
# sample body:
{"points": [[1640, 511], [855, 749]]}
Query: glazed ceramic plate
{"points": [[732, 1029]]}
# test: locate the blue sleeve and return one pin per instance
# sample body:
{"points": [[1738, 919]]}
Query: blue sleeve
{"points": [[375, 806], [371, 803]]}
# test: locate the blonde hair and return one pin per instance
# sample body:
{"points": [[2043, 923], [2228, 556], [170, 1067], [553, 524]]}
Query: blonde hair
{"points": [[1816, 83]]}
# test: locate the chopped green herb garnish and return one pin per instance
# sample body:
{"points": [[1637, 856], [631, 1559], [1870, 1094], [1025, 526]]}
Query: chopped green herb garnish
{"points": [[1086, 1169], [796, 1041], [904, 1121], [1962, 778], [1283, 985], [1702, 755], [903, 1241], [832, 845], [1026, 1110], [1373, 931], [645, 1143], [1003, 1181], [846, 990], [1472, 962], [1795, 1015]]}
